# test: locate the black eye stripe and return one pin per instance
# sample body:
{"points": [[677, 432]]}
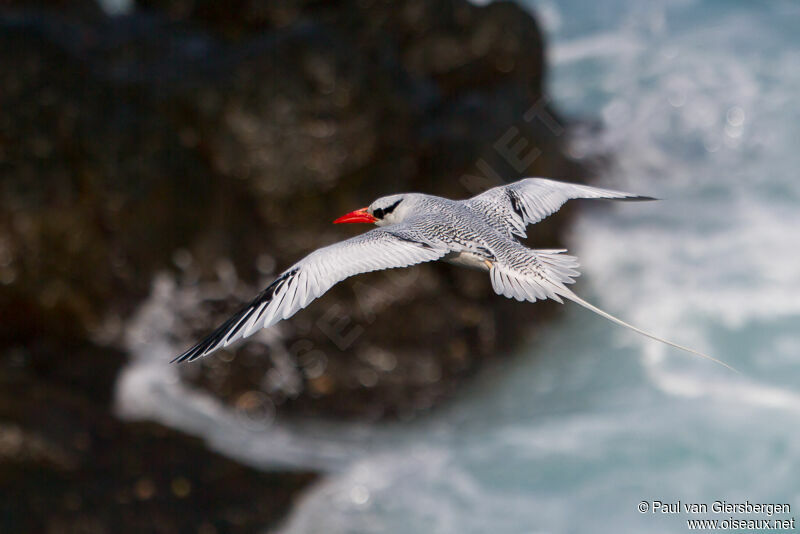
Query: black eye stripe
{"points": [[380, 213], [391, 208]]}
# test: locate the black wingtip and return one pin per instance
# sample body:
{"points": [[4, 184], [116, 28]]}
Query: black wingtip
{"points": [[234, 324], [190, 355], [209, 344], [639, 198], [182, 358]]}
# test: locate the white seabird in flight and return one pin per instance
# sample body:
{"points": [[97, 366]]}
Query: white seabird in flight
{"points": [[480, 232]]}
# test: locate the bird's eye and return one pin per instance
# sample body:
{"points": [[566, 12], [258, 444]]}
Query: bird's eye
{"points": [[380, 213]]}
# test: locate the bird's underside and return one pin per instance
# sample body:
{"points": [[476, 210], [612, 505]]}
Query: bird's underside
{"points": [[481, 233]]}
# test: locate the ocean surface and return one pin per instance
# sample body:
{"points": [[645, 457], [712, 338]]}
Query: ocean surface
{"points": [[697, 100]]}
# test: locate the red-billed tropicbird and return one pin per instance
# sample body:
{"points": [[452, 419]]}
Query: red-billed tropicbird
{"points": [[480, 232]]}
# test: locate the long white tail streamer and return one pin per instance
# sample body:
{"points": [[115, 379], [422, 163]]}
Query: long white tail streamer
{"points": [[575, 298]]}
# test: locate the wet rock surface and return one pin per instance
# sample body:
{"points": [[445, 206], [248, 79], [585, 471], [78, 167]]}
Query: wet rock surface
{"points": [[68, 465], [214, 146]]}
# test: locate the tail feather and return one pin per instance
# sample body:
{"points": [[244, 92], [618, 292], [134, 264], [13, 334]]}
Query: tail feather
{"points": [[552, 271], [575, 298]]}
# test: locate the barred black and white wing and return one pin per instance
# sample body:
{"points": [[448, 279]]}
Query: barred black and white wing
{"points": [[530, 200], [310, 278]]}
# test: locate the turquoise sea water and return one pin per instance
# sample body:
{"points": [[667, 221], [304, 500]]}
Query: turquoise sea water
{"points": [[698, 101]]}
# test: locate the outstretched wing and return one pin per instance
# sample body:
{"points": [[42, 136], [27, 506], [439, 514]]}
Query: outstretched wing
{"points": [[530, 200], [310, 278]]}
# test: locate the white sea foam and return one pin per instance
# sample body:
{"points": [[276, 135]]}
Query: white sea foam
{"points": [[149, 388], [608, 45]]}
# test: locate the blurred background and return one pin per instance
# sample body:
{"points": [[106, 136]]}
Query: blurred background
{"points": [[162, 160]]}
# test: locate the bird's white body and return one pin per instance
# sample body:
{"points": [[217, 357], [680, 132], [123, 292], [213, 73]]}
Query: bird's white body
{"points": [[479, 233]]}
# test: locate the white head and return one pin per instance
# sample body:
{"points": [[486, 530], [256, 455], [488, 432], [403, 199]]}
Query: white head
{"points": [[385, 211]]}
